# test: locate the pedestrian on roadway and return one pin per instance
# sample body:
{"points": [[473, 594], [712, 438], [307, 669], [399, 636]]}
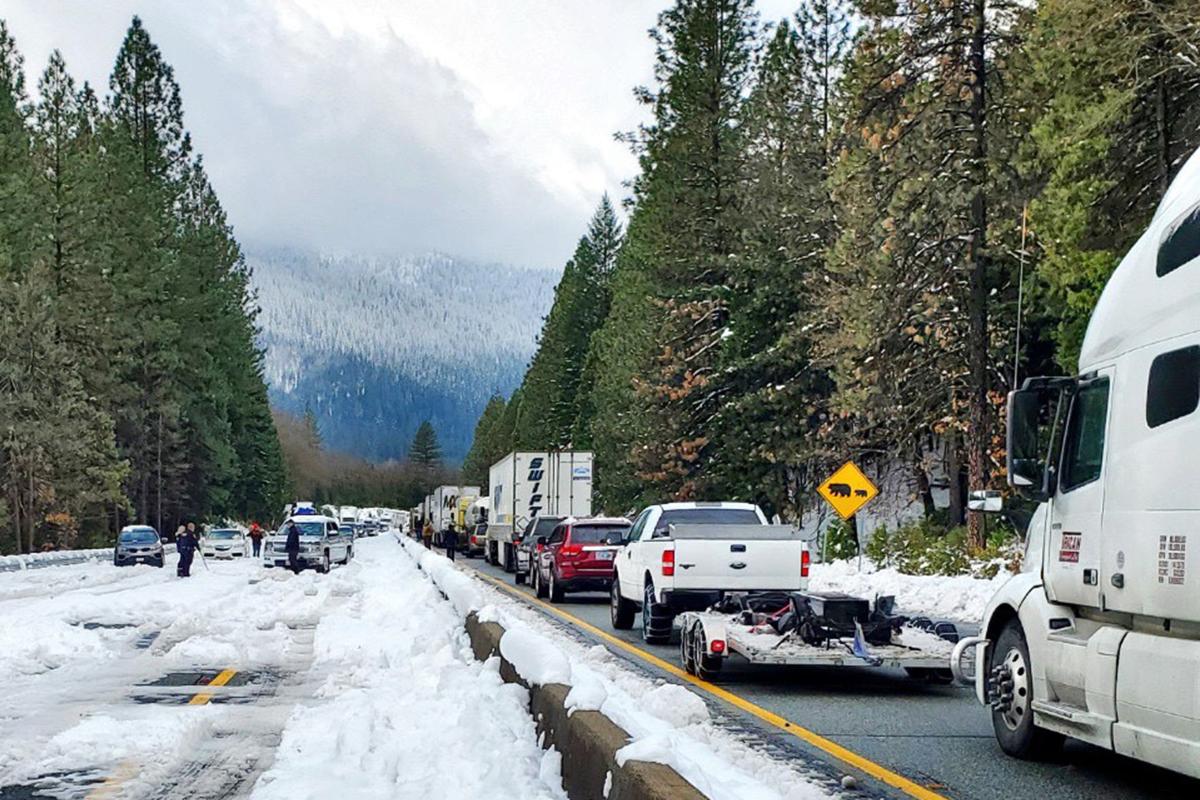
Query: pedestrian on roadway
{"points": [[427, 534], [185, 545], [256, 537], [293, 547], [450, 540]]}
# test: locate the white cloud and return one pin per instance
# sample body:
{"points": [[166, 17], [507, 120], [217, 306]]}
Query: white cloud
{"points": [[479, 128]]}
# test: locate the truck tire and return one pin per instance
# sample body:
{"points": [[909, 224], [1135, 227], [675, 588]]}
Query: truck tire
{"points": [[1011, 675], [656, 619], [324, 566], [620, 609]]}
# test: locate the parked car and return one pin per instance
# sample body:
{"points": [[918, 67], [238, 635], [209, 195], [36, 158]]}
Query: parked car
{"points": [[223, 543], [526, 544], [578, 556], [138, 544], [322, 543], [355, 530], [477, 540]]}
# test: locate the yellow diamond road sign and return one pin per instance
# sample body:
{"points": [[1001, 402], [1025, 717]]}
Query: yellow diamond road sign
{"points": [[848, 490]]}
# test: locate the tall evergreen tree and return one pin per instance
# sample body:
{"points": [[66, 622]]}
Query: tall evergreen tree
{"points": [[487, 447], [425, 451]]}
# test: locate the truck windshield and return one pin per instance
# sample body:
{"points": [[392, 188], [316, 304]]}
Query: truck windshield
{"points": [[307, 529], [598, 534], [708, 516]]}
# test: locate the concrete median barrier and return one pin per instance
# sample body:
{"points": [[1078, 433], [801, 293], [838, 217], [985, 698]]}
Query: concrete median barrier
{"points": [[587, 740]]}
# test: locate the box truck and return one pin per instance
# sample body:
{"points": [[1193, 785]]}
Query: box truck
{"points": [[1098, 637], [524, 485]]}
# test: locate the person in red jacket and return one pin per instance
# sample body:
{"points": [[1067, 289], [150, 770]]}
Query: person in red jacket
{"points": [[256, 537]]}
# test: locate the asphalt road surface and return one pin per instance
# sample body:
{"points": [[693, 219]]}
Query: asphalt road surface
{"points": [[935, 736]]}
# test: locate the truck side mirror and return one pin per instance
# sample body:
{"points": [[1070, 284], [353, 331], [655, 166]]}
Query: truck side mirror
{"points": [[1026, 462]]}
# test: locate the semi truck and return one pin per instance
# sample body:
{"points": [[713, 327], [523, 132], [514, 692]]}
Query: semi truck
{"points": [[443, 506], [1098, 637], [525, 484]]}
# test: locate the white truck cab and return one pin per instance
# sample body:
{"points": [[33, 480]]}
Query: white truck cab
{"points": [[685, 556], [1098, 638]]}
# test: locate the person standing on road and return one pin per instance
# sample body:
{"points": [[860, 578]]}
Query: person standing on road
{"points": [[450, 540], [185, 544], [293, 547], [427, 534], [256, 537]]}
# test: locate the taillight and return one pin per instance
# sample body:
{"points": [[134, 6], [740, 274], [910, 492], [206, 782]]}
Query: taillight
{"points": [[668, 563], [717, 645], [805, 559], [571, 550]]}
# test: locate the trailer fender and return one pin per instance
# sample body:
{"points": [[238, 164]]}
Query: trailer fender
{"points": [[714, 627]]}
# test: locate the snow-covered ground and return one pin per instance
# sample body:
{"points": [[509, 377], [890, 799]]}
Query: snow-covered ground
{"points": [[358, 684], [960, 597], [668, 723]]}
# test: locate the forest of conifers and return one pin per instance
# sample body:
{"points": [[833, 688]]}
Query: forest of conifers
{"points": [[827, 237], [131, 386]]}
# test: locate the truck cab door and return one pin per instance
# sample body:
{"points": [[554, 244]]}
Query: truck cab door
{"points": [[1073, 555], [629, 569]]}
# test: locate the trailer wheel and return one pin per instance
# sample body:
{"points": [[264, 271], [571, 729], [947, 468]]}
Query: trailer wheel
{"points": [[1010, 689], [707, 666], [685, 654], [620, 609], [519, 577]]}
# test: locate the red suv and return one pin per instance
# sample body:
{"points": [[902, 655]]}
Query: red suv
{"points": [[578, 556]]}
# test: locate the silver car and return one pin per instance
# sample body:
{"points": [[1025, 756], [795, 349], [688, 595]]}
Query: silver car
{"points": [[223, 543], [138, 544]]}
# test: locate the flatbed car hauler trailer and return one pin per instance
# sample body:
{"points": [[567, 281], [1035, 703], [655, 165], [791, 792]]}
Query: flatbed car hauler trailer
{"points": [[830, 630]]}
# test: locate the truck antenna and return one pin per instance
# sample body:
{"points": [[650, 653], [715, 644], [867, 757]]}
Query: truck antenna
{"points": [[1020, 295]]}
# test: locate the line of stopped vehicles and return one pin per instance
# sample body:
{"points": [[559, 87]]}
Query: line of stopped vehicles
{"points": [[1096, 638]]}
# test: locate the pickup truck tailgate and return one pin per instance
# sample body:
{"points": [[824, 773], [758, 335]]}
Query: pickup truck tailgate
{"points": [[738, 557]]}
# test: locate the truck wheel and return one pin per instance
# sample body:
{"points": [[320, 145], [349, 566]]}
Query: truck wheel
{"points": [[621, 610], [324, 566], [707, 666], [656, 619], [556, 590], [1010, 688], [349, 555]]}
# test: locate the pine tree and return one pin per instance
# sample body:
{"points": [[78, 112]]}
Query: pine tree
{"points": [[1122, 113], [425, 451], [487, 447]]}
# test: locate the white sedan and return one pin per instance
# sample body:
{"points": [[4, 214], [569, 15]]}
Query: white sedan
{"points": [[223, 543]]}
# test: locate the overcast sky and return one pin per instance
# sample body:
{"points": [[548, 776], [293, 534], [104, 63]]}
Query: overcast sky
{"points": [[474, 127]]}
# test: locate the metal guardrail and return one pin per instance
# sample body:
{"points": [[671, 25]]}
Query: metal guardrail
{"points": [[60, 558]]}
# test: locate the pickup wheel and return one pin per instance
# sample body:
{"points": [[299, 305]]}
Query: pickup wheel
{"points": [[324, 566], [656, 619], [1010, 689], [621, 610], [349, 555]]}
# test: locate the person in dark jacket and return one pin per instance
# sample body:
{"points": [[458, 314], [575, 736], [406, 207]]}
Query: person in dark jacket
{"points": [[450, 540], [186, 544], [293, 547]]}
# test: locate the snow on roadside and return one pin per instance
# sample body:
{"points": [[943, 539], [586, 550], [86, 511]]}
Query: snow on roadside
{"points": [[667, 723], [405, 709], [958, 597]]}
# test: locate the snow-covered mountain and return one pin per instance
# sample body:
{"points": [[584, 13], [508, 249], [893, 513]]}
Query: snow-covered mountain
{"points": [[374, 345]]}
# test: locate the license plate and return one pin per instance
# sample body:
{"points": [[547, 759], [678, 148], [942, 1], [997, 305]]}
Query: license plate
{"points": [[605, 555]]}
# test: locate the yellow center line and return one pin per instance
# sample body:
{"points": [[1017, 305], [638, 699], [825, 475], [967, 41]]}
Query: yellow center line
{"points": [[223, 677], [827, 746], [113, 783]]}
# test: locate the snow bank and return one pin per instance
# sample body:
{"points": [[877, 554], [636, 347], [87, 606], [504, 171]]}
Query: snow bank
{"points": [[405, 709], [959, 597], [667, 723]]}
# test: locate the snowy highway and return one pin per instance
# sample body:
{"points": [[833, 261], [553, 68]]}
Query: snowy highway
{"points": [[937, 737], [131, 683]]}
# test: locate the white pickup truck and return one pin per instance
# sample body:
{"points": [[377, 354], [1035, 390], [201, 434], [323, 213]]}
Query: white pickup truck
{"points": [[686, 556]]}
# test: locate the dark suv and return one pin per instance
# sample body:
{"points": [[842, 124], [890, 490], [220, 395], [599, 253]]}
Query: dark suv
{"points": [[527, 547], [578, 556], [138, 544]]}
